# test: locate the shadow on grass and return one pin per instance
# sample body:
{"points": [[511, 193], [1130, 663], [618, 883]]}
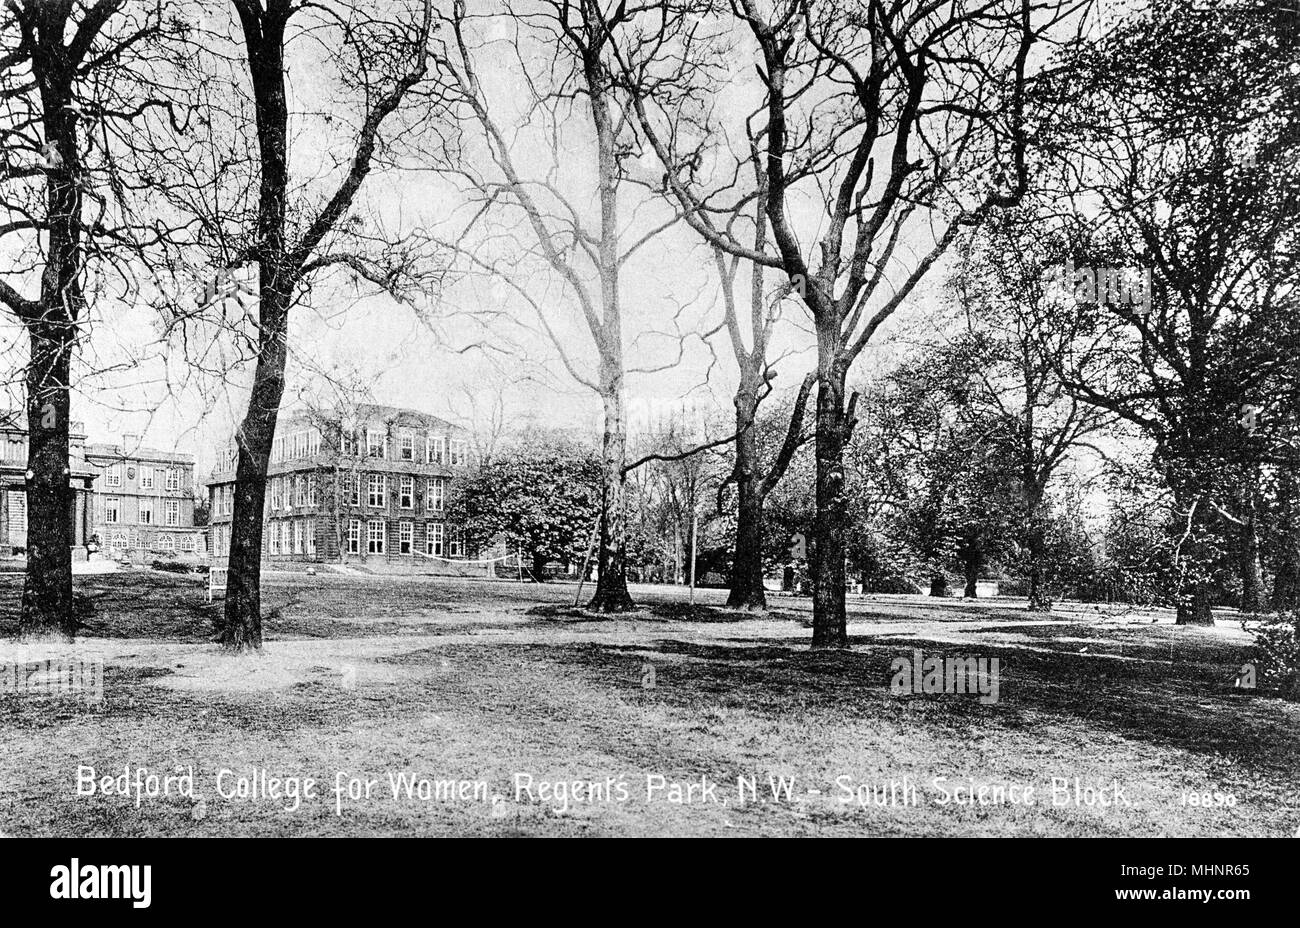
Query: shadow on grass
{"points": [[1183, 705]]}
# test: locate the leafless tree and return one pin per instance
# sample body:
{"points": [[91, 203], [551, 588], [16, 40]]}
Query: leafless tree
{"points": [[904, 122], [235, 177], [571, 91], [76, 82]]}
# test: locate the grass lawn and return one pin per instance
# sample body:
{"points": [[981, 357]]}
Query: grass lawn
{"points": [[487, 683]]}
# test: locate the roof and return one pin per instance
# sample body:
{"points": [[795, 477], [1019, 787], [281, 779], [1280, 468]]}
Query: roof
{"points": [[365, 411], [118, 452]]}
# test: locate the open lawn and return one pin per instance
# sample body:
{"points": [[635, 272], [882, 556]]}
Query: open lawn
{"points": [[483, 688]]}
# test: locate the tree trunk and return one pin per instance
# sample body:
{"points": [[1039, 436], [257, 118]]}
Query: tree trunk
{"points": [[1189, 530], [1286, 569], [1194, 608], [939, 585], [1252, 584], [241, 627], [47, 584], [830, 628], [539, 567], [47, 588], [611, 578], [747, 590], [1035, 543], [972, 573]]}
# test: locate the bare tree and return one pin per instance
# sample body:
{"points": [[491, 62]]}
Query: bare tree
{"points": [[883, 114], [254, 212], [587, 254], [755, 478], [75, 85]]}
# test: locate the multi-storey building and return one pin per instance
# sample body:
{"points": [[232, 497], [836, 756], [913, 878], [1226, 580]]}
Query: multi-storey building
{"points": [[369, 485], [13, 486], [144, 501]]}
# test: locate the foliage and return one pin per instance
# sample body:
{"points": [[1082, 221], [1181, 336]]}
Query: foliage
{"points": [[541, 496], [1277, 644]]}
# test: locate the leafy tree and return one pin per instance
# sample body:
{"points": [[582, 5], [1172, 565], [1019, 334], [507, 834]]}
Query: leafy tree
{"points": [[1177, 154], [541, 497]]}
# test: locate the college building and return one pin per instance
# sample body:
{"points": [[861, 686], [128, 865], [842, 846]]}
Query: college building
{"points": [[144, 502], [13, 487], [130, 502], [368, 486]]}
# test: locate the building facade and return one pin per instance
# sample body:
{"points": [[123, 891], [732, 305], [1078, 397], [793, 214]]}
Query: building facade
{"points": [[367, 486], [144, 502], [13, 487]]}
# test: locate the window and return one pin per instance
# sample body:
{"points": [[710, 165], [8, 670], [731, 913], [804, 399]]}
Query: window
{"points": [[146, 477], [273, 538], [433, 539], [113, 476], [297, 536], [112, 510], [300, 491], [167, 543], [407, 492], [406, 447], [353, 484], [377, 490], [435, 498], [405, 537], [229, 506], [354, 536], [173, 479], [277, 449], [375, 536], [435, 450], [459, 455], [313, 442], [172, 512], [376, 443], [275, 493], [311, 489], [310, 528], [456, 542], [146, 512], [117, 541], [348, 440]]}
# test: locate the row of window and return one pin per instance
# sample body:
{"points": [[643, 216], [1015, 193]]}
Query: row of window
{"points": [[147, 475], [291, 536], [435, 494], [292, 490], [296, 445], [171, 511], [121, 541], [373, 443], [433, 449], [439, 540]]}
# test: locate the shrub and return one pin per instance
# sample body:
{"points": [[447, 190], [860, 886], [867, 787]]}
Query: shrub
{"points": [[1277, 653], [176, 567]]}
